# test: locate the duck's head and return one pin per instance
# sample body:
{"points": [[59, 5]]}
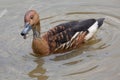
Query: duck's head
{"points": [[31, 21]]}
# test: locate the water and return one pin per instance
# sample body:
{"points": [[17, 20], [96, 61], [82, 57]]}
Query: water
{"points": [[97, 59]]}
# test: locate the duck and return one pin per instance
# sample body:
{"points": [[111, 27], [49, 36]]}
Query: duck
{"points": [[61, 38]]}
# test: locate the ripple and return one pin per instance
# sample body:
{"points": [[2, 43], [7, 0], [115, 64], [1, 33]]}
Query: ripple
{"points": [[104, 37], [72, 13], [47, 18], [73, 62], [3, 13], [84, 71], [59, 21], [99, 56], [102, 41]]}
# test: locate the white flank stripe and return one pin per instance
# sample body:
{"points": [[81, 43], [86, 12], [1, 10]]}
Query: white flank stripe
{"points": [[92, 30], [75, 35]]}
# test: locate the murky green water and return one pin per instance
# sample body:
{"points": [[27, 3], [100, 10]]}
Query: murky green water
{"points": [[96, 60]]}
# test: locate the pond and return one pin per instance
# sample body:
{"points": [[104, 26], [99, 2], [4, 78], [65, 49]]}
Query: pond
{"points": [[97, 59]]}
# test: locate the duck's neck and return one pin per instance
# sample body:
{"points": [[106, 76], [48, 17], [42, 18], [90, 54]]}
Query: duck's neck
{"points": [[36, 31], [39, 44]]}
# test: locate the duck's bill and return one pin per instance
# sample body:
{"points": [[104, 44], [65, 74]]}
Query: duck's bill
{"points": [[26, 30]]}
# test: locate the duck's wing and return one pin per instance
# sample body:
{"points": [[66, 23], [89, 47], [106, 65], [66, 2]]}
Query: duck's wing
{"points": [[62, 27], [62, 34], [73, 43]]}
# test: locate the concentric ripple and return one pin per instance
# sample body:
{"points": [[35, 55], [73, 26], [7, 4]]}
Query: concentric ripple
{"points": [[82, 61]]}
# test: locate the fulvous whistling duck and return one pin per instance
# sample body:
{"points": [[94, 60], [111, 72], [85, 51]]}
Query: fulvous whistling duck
{"points": [[61, 38]]}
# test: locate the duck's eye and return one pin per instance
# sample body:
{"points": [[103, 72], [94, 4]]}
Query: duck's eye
{"points": [[31, 17]]}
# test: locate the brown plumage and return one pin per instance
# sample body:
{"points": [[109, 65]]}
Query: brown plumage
{"points": [[62, 38]]}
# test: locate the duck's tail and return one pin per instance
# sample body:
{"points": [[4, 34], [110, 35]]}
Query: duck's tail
{"points": [[100, 21]]}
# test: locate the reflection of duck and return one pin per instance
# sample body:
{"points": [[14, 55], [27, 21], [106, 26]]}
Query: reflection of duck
{"points": [[39, 71], [63, 37]]}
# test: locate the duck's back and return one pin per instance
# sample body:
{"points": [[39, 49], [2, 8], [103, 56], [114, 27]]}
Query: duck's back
{"points": [[74, 26], [64, 32]]}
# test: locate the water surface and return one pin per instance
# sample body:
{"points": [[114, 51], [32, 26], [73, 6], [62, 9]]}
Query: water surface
{"points": [[97, 59]]}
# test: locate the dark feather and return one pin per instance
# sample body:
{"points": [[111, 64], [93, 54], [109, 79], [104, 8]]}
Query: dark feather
{"points": [[64, 32]]}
